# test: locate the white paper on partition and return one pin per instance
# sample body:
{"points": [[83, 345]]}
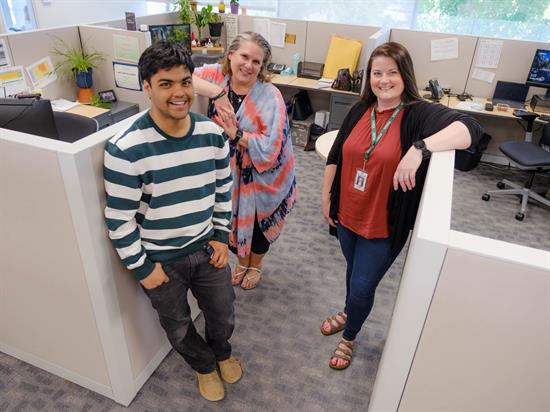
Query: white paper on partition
{"points": [[444, 49], [12, 79], [42, 73], [261, 26], [126, 76], [4, 54], [488, 53], [277, 33], [483, 75], [231, 24], [126, 48]]}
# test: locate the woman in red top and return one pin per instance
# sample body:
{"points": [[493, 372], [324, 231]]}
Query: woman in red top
{"points": [[374, 177]]}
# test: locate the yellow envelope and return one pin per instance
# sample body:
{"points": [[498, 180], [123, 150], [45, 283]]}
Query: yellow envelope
{"points": [[342, 53]]}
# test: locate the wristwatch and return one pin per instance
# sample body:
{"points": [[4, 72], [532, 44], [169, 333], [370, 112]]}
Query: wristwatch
{"points": [[421, 145], [238, 136]]}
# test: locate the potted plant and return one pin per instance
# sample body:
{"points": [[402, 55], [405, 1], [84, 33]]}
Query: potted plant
{"points": [[74, 62], [215, 25], [184, 11], [234, 4], [201, 18]]}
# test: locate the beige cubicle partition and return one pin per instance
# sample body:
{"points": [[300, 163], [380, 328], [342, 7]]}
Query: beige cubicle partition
{"points": [[161, 18], [450, 73], [515, 60], [319, 35], [470, 329], [29, 47], [67, 304], [283, 55], [103, 39]]}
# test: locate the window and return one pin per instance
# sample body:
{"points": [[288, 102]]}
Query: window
{"points": [[18, 15]]}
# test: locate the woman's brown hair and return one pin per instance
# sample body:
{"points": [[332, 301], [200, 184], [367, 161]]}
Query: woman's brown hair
{"points": [[402, 58]]}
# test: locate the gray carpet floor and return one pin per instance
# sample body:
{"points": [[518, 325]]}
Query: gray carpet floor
{"points": [[284, 356]]}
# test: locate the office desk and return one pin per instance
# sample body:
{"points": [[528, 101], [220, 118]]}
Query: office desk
{"points": [[106, 117], [340, 100], [324, 143]]}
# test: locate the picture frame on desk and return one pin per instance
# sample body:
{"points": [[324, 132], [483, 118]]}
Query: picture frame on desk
{"points": [[107, 96]]}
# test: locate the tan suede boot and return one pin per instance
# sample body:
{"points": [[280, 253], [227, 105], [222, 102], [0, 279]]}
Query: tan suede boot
{"points": [[211, 386], [230, 370]]}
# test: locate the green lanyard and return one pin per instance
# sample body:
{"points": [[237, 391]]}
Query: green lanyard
{"points": [[377, 137]]}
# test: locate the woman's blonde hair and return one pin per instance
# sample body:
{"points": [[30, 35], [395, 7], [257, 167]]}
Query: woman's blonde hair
{"points": [[255, 38]]}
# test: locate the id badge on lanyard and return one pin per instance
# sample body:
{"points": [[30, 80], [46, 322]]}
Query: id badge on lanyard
{"points": [[361, 175], [360, 181]]}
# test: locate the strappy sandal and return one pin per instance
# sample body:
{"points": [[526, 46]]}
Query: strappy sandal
{"points": [[335, 325], [343, 351], [238, 276], [252, 278]]}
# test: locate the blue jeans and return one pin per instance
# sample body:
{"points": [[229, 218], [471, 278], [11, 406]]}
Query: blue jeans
{"points": [[213, 290], [367, 262]]}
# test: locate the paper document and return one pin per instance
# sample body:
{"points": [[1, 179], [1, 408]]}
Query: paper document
{"points": [[469, 106], [444, 49], [483, 75], [324, 82], [277, 34], [42, 73], [261, 26], [488, 53], [13, 81], [61, 105]]}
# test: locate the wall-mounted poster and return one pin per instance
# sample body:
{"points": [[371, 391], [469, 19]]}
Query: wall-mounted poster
{"points": [[42, 72]]}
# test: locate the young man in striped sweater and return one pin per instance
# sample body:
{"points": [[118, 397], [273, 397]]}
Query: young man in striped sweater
{"points": [[168, 182]]}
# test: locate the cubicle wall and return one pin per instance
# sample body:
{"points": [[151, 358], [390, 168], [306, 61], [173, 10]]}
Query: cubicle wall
{"points": [[515, 60], [162, 18], [450, 73], [103, 40], [470, 328], [29, 47]]}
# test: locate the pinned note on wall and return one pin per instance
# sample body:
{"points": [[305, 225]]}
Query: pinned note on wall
{"points": [[290, 38], [444, 49]]}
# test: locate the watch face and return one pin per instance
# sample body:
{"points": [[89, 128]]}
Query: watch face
{"points": [[419, 144]]}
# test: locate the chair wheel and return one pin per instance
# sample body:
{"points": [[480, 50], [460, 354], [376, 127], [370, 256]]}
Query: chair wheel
{"points": [[519, 216], [486, 197], [501, 185]]}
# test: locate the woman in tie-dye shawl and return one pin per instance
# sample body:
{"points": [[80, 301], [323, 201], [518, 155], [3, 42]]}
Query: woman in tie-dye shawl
{"points": [[253, 114]]}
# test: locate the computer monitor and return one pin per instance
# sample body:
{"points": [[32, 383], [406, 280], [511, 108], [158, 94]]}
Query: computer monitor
{"points": [[174, 33], [539, 73], [28, 116]]}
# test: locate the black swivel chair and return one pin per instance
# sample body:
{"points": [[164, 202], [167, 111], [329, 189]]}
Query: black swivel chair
{"points": [[72, 127], [526, 156]]}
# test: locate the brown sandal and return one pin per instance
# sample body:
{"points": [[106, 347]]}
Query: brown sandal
{"points": [[343, 351], [335, 326], [255, 277], [238, 276]]}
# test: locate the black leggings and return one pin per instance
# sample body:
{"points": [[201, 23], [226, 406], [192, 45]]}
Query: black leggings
{"points": [[259, 245]]}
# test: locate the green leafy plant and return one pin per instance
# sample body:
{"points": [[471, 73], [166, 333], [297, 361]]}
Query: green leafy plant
{"points": [[177, 35], [234, 1], [184, 11], [71, 60], [97, 102], [201, 18], [214, 18]]}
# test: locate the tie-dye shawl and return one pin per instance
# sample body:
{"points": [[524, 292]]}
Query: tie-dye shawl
{"points": [[263, 174]]}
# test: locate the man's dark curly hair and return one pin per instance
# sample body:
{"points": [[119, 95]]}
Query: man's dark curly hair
{"points": [[163, 55]]}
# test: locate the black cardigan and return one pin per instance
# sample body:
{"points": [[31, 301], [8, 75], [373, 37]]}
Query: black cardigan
{"points": [[420, 120]]}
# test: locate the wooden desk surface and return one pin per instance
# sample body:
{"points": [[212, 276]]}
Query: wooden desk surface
{"points": [[88, 111], [465, 106], [303, 83]]}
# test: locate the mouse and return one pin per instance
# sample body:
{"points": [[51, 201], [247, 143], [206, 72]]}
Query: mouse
{"points": [[489, 107]]}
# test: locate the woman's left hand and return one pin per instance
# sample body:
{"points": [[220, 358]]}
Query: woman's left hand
{"points": [[227, 123], [405, 174]]}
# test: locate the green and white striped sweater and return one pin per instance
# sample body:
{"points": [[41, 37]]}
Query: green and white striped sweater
{"points": [[166, 196]]}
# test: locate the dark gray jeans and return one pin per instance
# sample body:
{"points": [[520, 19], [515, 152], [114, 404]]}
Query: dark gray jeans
{"points": [[213, 290]]}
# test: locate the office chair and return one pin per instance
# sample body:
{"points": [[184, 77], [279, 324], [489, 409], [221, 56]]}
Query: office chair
{"points": [[526, 156], [72, 127]]}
